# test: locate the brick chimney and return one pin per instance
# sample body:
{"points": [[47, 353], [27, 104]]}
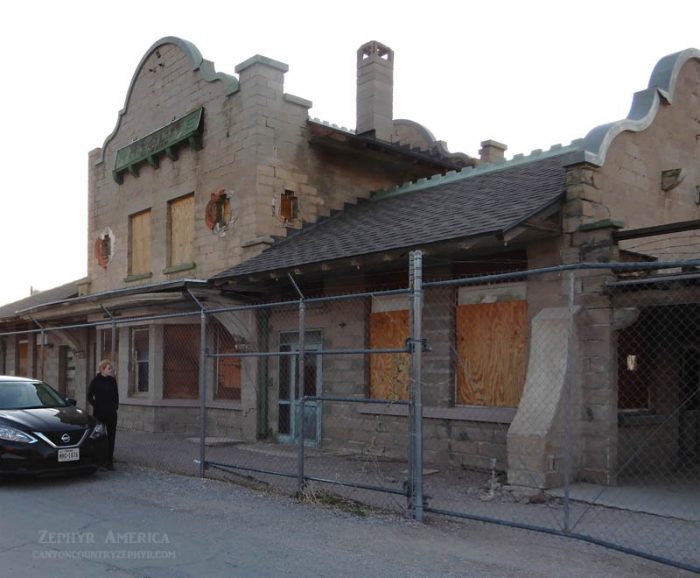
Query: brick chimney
{"points": [[375, 90], [492, 152]]}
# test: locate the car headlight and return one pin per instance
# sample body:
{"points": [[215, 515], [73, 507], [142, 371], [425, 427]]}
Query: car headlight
{"points": [[11, 434], [98, 431]]}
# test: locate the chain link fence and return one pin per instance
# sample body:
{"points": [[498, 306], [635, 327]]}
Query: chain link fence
{"points": [[572, 406], [563, 400]]}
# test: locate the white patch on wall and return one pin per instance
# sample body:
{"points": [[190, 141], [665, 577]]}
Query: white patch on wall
{"points": [[105, 246], [383, 304], [493, 294]]}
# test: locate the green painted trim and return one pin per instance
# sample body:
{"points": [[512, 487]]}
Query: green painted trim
{"points": [[179, 268], [163, 141], [137, 277], [604, 224]]}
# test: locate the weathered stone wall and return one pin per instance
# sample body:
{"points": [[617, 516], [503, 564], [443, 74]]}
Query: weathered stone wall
{"points": [[630, 183], [626, 191], [180, 420], [255, 146]]}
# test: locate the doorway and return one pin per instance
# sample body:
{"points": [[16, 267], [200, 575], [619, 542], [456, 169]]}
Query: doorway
{"points": [[288, 424]]}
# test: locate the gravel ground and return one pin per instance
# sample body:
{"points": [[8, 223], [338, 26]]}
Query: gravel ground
{"points": [[143, 523], [461, 491]]}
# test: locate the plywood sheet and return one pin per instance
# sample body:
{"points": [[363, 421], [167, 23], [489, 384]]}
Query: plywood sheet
{"points": [[491, 353], [389, 372], [181, 230], [140, 243], [181, 361], [228, 368]]}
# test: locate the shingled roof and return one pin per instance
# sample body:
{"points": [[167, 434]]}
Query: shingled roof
{"points": [[59, 293], [476, 202]]}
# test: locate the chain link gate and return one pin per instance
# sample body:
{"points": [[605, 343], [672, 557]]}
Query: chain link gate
{"points": [[524, 398], [329, 436], [577, 420]]}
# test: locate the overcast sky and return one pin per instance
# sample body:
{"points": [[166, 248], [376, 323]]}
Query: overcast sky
{"points": [[529, 74]]}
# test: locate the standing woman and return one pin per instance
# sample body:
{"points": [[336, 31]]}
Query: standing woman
{"points": [[103, 395]]}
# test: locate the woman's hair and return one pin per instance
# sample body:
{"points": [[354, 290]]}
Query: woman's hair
{"points": [[104, 363]]}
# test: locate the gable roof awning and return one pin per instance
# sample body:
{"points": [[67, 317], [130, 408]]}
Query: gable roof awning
{"points": [[65, 302], [489, 202], [60, 293]]}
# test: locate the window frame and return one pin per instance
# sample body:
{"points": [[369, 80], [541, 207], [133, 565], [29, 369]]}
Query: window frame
{"points": [[144, 260], [183, 257], [137, 364]]}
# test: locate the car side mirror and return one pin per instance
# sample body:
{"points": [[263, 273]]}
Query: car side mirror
{"points": [[71, 401]]}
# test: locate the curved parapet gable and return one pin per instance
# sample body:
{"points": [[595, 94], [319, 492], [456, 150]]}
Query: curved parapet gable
{"points": [[197, 62], [645, 105]]}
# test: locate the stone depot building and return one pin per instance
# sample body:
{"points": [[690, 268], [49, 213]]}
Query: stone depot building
{"points": [[212, 187]]}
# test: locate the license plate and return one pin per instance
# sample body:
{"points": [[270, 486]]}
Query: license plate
{"points": [[69, 455]]}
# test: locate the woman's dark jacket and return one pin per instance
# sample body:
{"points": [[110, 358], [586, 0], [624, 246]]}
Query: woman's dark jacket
{"points": [[103, 395]]}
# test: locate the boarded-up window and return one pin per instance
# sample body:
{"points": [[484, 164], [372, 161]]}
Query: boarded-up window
{"points": [[139, 360], [22, 358], [181, 361], [491, 353], [389, 372], [181, 233], [228, 369], [140, 243]]}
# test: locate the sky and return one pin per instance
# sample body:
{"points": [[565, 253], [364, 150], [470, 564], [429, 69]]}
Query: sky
{"points": [[529, 74]]}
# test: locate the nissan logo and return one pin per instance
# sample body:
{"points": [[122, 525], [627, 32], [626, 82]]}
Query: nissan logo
{"points": [[65, 438]]}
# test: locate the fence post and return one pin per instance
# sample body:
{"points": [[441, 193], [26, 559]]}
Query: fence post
{"points": [[41, 354], [113, 345], [202, 381], [415, 407], [568, 403], [32, 352], [300, 398], [202, 391]]}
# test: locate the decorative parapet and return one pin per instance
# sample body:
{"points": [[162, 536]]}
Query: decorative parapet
{"points": [[197, 62], [645, 104]]}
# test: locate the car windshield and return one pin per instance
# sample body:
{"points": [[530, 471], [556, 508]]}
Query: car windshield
{"points": [[28, 395]]}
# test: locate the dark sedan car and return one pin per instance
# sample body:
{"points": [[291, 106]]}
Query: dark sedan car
{"points": [[42, 432]]}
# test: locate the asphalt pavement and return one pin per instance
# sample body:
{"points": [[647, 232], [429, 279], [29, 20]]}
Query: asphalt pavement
{"points": [[137, 522]]}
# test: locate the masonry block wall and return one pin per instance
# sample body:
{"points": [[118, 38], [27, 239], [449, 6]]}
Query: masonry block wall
{"points": [[630, 182], [255, 146], [631, 188]]}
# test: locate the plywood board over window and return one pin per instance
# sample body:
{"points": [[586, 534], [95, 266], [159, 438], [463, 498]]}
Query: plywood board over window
{"points": [[140, 243], [389, 372], [491, 353], [228, 369], [22, 358], [181, 233], [181, 361]]}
